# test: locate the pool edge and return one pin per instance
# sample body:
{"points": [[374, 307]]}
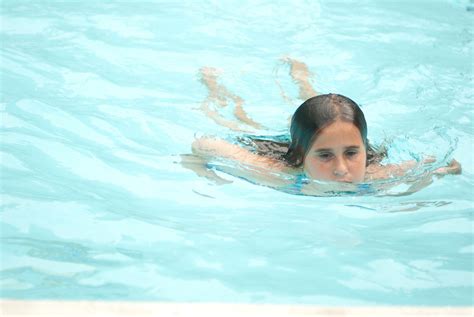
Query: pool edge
{"points": [[112, 308]]}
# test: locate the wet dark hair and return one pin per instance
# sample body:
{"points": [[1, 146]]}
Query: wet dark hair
{"points": [[309, 120]]}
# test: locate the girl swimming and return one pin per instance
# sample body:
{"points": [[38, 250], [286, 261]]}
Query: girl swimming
{"points": [[328, 142]]}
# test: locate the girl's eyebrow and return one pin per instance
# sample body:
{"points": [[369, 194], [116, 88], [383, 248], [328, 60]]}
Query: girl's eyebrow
{"points": [[350, 147], [322, 150]]}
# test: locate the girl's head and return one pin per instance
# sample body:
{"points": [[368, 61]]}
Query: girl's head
{"points": [[329, 139]]}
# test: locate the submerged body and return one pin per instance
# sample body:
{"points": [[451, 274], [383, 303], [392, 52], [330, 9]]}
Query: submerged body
{"points": [[328, 143]]}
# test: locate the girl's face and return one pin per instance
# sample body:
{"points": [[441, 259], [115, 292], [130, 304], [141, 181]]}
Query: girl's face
{"points": [[338, 154]]}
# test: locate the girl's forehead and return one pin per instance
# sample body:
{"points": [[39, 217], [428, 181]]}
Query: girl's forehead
{"points": [[339, 133]]}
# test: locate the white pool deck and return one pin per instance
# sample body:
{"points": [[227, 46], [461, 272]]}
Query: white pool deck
{"points": [[101, 308]]}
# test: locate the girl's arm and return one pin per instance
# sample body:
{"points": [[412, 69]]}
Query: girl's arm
{"points": [[386, 171], [198, 165], [257, 168], [211, 147]]}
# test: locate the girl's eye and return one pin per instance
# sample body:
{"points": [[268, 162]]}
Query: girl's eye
{"points": [[324, 156], [352, 153]]}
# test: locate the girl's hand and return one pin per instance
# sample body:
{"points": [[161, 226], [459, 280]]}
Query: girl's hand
{"points": [[453, 168]]}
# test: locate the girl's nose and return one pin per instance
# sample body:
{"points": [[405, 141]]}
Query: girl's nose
{"points": [[340, 168]]}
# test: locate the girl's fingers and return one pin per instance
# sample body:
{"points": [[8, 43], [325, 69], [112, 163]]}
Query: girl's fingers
{"points": [[453, 168]]}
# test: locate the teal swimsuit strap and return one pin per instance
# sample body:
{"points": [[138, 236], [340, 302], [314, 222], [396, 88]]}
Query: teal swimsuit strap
{"points": [[301, 180]]}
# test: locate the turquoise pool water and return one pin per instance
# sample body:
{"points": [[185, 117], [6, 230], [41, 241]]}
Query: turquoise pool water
{"points": [[99, 100]]}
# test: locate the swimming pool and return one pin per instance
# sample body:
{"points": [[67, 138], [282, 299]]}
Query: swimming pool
{"points": [[99, 100]]}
